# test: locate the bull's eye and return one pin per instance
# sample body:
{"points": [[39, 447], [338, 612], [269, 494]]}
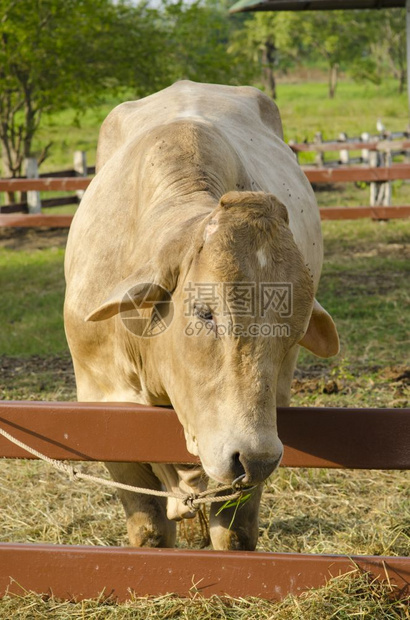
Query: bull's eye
{"points": [[203, 311]]}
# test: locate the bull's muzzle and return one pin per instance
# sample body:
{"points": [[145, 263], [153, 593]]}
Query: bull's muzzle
{"points": [[252, 459]]}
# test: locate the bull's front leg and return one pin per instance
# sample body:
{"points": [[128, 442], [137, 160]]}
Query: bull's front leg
{"points": [[147, 522], [236, 528]]}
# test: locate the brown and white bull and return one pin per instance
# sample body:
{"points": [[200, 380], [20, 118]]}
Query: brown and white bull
{"points": [[196, 194]]}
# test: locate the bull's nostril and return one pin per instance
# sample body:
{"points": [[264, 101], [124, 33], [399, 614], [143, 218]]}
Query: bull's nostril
{"points": [[250, 469], [237, 467], [258, 470]]}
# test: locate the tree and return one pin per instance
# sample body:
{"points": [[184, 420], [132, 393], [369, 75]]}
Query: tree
{"points": [[258, 38], [270, 43], [197, 40], [361, 41], [56, 55], [388, 43], [338, 37]]}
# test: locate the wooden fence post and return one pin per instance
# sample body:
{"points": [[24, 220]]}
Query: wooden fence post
{"points": [[33, 197], [365, 152], [80, 167], [344, 153], [319, 159], [380, 191], [387, 156], [374, 161]]}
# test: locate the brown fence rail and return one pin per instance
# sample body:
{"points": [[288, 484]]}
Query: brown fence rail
{"points": [[79, 572], [350, 145], [35, 221], [373, 175], [326, 213], [353, 174], [357, 213], [313, 437], [342, 174], [45, 184]]}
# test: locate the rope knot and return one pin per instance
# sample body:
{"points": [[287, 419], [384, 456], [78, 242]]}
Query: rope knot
{"points": [[192, 501]]}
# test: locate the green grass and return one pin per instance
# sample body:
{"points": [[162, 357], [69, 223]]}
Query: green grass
{"points": [[358, 194], [32, 285], [306, 109], [365, 287]]}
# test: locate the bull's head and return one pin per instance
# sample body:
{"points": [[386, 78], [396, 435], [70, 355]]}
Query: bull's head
{"points": [[242, 301]]}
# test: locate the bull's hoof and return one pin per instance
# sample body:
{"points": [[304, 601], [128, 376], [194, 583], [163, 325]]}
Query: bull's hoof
{"points": [[224, 539], [143, 533]]}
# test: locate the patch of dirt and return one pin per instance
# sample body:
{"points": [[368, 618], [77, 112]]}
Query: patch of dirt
{"points": [[60, 364], [315, 386], [398, 250], [33, 238], [371, 249], [369, 284], [317, 380], [39, 374]]}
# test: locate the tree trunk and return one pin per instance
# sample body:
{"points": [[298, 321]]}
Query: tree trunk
{"points": [[402, 80], [10, 197], [333, 74], [268, 77]]}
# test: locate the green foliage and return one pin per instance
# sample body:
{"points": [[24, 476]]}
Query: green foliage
{"points": [[341, 38], [56, 55], [369, 44], [196, 41], [388, 44], [266, 43], [236, 504]]}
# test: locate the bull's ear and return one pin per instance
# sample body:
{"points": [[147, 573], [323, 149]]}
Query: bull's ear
{"points": [[130, 294], [321, 336]]}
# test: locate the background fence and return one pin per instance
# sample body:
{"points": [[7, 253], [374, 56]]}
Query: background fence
{"points": [[312, 437], [374, 166]]}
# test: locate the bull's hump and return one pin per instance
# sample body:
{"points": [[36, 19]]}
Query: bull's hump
{"points": [[208, 103]]}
